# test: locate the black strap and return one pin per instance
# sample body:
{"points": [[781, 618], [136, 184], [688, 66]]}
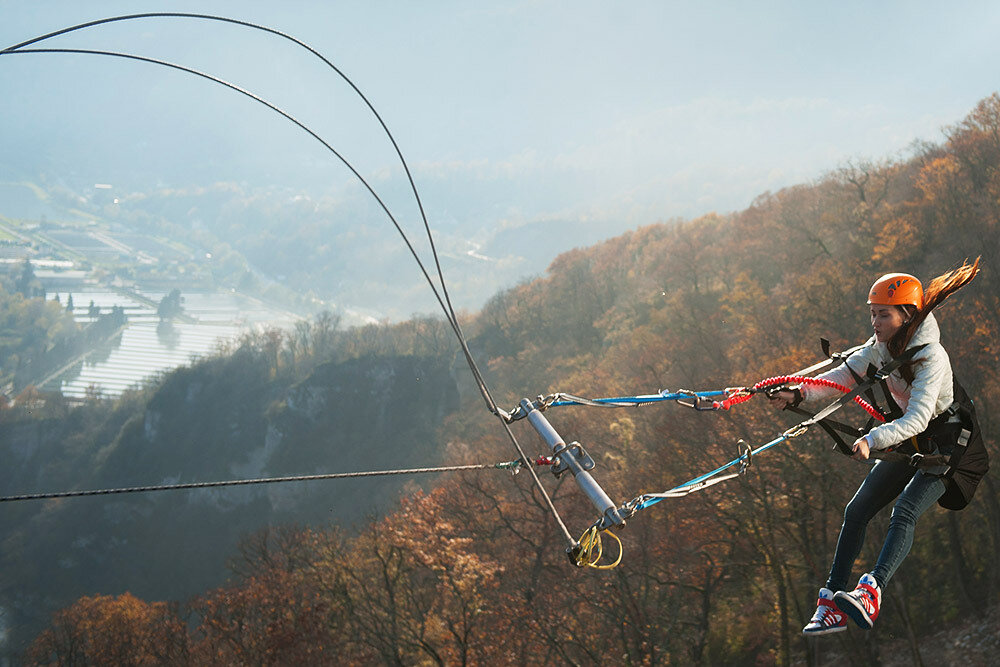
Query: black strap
{"points": [[892, 410], [865, 384], [917, 460], [832, 426], [956, 425], [870, 392]]}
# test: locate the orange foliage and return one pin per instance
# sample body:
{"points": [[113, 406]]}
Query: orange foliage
{"points": [[274, 618], [107, 630]]}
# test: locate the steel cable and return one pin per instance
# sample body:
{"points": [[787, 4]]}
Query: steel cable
{"points": [[509, 465], [445, 303]]}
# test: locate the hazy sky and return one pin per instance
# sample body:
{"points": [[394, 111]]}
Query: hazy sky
{"points": [[637, 111]]}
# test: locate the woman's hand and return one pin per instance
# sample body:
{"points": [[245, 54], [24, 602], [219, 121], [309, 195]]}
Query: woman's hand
{"points": [[782, 399], [861, 449]]}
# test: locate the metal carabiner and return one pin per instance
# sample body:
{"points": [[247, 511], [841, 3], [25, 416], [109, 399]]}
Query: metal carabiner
{"points": [[746, 454], [695, 401], [796, 430]]}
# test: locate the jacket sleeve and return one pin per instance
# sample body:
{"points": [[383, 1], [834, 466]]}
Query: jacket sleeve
{"points": [[841, 375], [931, 374]]}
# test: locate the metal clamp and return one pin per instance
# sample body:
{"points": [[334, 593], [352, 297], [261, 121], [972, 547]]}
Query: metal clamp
{"points": [[574, 449], [514, 415], [514, 466], [521, 411], [630, 508], [543, 402]]}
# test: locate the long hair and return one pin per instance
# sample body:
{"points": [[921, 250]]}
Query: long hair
{"points": [[936, 292]]}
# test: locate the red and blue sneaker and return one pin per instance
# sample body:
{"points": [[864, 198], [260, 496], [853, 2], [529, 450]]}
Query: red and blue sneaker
{"points": [[861, 604], [827, 619]]}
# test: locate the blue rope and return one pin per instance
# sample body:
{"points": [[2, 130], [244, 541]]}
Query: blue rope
{"points": [[643, 399], [653, 498]]}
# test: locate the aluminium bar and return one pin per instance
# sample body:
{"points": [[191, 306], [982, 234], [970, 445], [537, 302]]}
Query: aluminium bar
{"points": [[608, 509]]}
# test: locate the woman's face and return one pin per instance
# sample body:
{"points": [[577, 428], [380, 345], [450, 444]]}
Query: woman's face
{"points": [[886, 321]]}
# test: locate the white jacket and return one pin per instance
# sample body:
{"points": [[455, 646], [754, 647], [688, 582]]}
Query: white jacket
{"points": [[930, 394]]}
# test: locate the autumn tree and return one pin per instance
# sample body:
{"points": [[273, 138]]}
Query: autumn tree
{"points": [[109, 630]]}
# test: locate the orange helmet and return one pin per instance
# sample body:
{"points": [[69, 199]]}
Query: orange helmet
{"points": [[897, 289]]}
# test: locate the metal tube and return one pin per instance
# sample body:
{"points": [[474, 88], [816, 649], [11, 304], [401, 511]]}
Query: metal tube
{"points": [[587, 484]]}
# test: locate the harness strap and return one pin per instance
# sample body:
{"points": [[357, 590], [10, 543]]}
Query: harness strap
{"points": [[832, 426], [892, 410], [869, 394], [865, 384], [917, 460]]}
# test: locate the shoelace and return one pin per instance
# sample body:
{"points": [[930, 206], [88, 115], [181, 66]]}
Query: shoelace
{"points": [[826, 614], [866, 595]]}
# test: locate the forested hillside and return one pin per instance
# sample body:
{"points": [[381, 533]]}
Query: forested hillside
{"points": [[474, 571], [314, 400]]}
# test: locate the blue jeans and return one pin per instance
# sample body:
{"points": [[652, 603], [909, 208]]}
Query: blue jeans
{"points": [[917, 492]]}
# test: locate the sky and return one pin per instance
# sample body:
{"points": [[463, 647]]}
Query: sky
{"points": [[513, 112]]}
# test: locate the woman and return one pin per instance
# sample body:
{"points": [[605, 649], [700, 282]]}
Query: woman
{"points": [[932, 406]]}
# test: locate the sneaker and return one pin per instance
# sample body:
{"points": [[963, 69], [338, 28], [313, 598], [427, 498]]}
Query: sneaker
{"points": [[861, 604], [827, 618]]}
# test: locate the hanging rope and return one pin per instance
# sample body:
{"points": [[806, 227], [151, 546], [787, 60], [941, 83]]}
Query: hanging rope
{"points": [[699, 399], [680, 396]]}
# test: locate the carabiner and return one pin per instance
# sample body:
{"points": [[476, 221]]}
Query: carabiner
{"points": [[699, 403]]}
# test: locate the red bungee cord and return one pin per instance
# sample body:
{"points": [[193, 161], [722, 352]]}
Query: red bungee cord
{"points": [[744, 395]]}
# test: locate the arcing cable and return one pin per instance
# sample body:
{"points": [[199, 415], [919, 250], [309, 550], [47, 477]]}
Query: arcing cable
{"points": [[445, 304]]}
